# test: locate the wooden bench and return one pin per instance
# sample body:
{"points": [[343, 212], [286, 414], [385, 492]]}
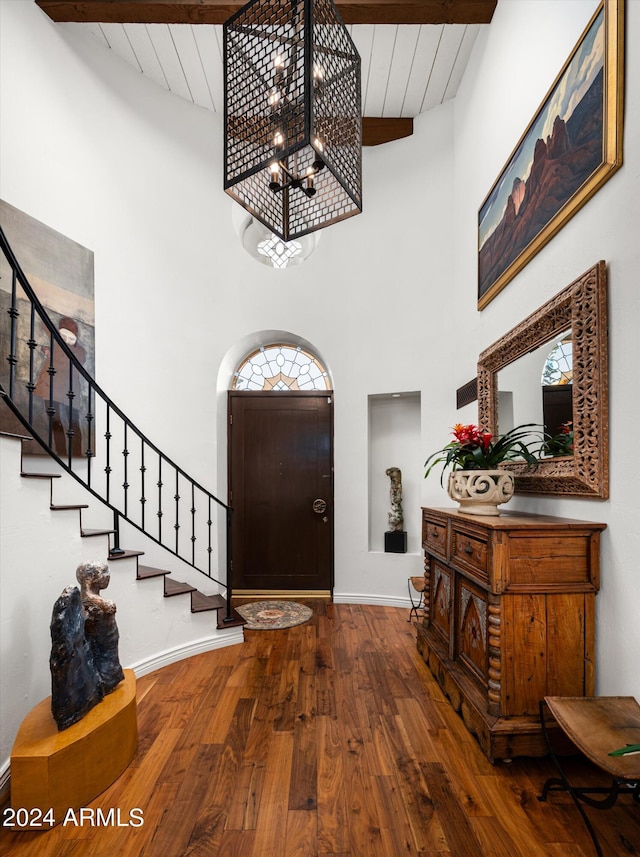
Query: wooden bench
{"points": [[598, 726]]}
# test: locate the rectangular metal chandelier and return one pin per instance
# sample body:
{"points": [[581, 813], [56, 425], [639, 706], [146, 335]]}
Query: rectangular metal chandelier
{"points": [[293, 126]]}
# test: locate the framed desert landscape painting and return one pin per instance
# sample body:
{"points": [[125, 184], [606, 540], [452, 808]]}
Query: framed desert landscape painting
{"points": [[571, 147]]}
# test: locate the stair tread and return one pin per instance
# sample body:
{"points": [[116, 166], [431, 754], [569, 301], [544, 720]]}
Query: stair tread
{"points": [[124, 555], [15, 436], [201, 602], [92, 532], [236, 620], [57, 508], [145, 571], [40, 475], [176, 587]]}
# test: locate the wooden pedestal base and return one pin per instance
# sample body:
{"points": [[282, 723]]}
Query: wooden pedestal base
{"points": [[58, 771]]}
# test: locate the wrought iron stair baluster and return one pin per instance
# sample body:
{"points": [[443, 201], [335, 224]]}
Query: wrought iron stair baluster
{"points": [[31, 342], [51, 372], [143, 470], [12, 357], [89, 421], [70, 431], [125, 484], [209, 548], [107, 469], [159, 513], [193, 523], [176, 526]]}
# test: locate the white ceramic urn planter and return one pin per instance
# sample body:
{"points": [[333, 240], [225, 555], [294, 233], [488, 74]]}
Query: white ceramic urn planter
{"points": [[480, 492]]}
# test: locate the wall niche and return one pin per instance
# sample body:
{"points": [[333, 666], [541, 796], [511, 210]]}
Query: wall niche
{"points": [[394, 441]]}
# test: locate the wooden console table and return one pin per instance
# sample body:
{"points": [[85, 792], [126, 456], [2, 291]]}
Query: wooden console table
{"points": [[598, 726], [509, 618]]}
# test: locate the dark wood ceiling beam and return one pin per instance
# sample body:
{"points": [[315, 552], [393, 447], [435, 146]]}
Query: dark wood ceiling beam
{"points": [[217, 11], [383, 130], [375, 130]]}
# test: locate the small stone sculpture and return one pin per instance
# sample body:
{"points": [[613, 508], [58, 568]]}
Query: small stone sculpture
{"points": [[396, 517], [75, 686], [100, 626], [84, 646]]}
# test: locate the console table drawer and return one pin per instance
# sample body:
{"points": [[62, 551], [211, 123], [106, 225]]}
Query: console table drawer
{"points": [[435, 537], [470, 552]]}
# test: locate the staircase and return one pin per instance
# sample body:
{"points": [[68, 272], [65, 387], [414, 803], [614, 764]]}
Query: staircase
{"points": [[200, 603], [94, 442]]}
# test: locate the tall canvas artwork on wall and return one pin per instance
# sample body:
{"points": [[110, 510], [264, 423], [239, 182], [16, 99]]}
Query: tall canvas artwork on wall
{"points": [[571, 147], [61, 273]]}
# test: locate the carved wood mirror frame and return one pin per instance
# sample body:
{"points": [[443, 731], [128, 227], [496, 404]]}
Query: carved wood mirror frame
{"points": [[581, 306]]}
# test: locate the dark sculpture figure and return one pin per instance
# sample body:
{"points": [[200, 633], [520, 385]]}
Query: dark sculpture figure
{"points": [[75, 686], [84, 646], [100, 628]]}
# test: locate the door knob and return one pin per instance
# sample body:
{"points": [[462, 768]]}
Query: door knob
{"points": [[319, 506]]}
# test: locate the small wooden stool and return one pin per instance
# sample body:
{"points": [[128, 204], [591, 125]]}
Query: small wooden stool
{"points": [[416, 584], [598, 726]]}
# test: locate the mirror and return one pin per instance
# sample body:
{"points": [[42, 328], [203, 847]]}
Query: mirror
{"points": [[538, 388], [511, 390]]}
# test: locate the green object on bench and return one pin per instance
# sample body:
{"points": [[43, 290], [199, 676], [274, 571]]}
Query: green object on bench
{"points": [[630, 748]]}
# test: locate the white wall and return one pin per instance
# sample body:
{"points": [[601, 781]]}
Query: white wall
{"points": [[388, 299], [513, 66]]}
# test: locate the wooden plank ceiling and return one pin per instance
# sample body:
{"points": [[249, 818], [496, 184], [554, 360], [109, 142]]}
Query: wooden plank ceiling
{"points": [[414, 52]]}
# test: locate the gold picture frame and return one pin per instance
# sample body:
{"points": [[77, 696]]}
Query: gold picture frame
{"points": [[572, 146]]}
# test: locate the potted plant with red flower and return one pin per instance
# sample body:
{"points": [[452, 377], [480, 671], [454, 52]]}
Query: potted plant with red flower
{"points": [[476, 482]]}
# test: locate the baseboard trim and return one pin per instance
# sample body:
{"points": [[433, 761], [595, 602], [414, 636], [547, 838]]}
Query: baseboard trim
{"points": [[380, 600], [195, 647]]}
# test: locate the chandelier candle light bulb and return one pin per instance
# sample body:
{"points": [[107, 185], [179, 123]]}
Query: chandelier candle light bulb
{"points": [[274, 168]]}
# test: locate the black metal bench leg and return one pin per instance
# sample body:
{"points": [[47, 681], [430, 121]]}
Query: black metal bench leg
{"points": [[563, 784], [414, 607]]}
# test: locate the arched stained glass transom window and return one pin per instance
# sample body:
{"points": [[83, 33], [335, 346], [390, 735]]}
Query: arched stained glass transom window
{"points": [[281, 367], [558, 367]]}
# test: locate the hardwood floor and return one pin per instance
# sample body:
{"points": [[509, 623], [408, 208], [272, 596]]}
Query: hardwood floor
{"points": [[330, 739]]}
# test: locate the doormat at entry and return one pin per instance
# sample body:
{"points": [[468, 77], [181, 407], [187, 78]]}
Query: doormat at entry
{"points": [[270, 615]]}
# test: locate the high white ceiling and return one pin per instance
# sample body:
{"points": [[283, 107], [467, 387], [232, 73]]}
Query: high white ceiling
{"points": [[406, 68]]}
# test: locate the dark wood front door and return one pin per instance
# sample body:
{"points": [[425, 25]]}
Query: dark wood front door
{"points": [[281, 490]]}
